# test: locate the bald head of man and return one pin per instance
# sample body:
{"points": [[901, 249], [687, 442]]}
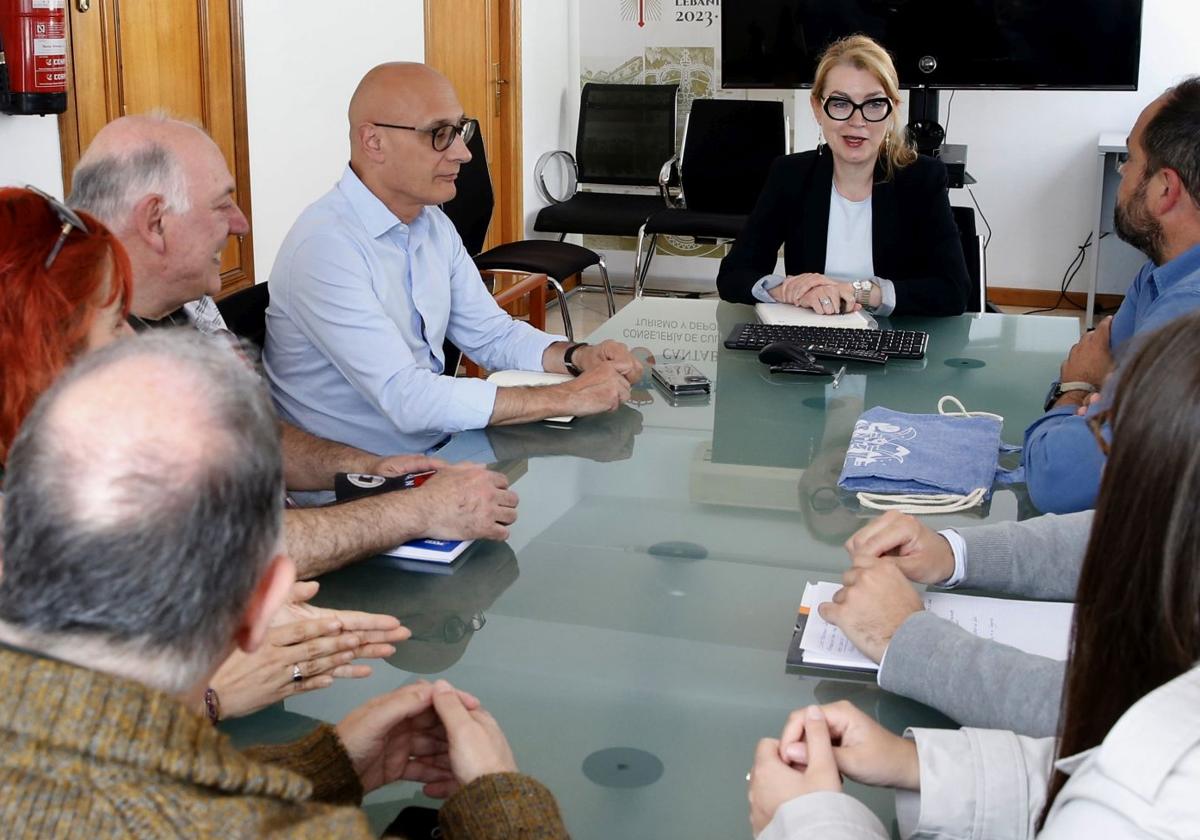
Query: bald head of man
{"points": [[143, 513], [395, 116], [163, 187]]}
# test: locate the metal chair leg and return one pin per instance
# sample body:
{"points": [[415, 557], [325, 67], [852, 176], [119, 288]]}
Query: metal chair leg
{"points": [[637, 260], [640, 279], [612, 306], [561, 294]]}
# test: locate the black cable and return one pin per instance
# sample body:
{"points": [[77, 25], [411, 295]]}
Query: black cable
{"points": [[1069, 275], [986, 239], [949, 105]]}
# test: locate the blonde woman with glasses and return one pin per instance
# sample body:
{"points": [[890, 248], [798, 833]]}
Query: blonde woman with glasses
{"points": [[864, 221]]}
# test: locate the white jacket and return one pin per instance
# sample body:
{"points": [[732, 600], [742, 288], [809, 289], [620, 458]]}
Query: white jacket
{"points": [[1143, 781]]}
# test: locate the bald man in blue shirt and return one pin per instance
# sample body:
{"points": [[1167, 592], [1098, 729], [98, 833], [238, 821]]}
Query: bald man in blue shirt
{"points": [[373, 276]]}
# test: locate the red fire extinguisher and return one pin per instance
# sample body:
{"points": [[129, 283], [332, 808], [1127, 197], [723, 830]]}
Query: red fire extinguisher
{"points": [[33, 56]]}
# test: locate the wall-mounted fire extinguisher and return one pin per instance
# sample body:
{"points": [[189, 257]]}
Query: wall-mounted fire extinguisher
{"points": [[33, 56]]}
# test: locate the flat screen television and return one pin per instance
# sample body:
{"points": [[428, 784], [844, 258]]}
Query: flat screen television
{"points": [[940, 44]]}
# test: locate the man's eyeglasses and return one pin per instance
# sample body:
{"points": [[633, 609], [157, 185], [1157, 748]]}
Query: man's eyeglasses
{"points": [[443, 135], [1096, 423], [873, 110], [70, 221]]}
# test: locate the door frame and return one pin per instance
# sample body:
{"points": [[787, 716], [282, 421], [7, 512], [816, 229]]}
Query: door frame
{"points": [[68, 122], [507, 163]]}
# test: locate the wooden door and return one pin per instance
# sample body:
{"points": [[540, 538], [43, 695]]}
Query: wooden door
{"points": [[183, 57], [476, 44]]}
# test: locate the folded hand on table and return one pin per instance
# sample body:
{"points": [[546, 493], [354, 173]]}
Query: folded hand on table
{"points": [[875, 599], [434, 734], [819, 745], [821, 294], [922, 554]]}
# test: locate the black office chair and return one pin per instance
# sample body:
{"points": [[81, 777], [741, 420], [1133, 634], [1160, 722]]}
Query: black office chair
{"points": [[471, 212], [245, 313], [728, 147], [972, 245], [626, 133]]}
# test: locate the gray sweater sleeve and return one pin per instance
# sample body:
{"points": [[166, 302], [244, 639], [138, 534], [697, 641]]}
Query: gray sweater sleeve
{"points": [[977, 682], [1038, 558]]}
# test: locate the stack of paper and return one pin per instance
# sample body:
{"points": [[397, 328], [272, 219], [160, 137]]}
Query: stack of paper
{"points": [[1042, 628]]}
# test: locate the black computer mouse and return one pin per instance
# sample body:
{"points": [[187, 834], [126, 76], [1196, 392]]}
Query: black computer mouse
{"points": [[782, 352]]}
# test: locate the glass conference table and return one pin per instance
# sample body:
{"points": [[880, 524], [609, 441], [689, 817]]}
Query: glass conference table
{"points": [[631, 634]]}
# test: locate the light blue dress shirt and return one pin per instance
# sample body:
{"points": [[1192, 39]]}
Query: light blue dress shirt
{"points": [[360, 304], [1062, 460]]}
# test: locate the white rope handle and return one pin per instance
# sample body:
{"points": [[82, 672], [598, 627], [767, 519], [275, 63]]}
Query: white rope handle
{"points": [[962, 411], [922, 504], [919, 504]]}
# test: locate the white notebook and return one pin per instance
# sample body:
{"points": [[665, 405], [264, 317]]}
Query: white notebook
{"points": [[1042, 628], [532, 378], [784, 313]]}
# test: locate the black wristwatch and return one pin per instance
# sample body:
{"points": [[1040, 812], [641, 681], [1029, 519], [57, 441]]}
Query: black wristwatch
{"points": [[571, 367], [1057, 389]]}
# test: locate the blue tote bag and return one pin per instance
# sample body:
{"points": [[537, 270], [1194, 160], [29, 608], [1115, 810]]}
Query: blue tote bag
{"points": [[926, 463]]}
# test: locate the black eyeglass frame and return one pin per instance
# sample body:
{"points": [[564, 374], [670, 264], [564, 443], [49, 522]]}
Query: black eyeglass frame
{"points": [[70, 221], [857, 106], [465, 128]]}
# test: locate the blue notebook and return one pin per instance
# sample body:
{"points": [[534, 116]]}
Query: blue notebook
{"points": [[430, 551]]}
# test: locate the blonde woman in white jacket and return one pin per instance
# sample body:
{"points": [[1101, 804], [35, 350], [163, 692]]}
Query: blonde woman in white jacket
{"points": [[1128, 751]]}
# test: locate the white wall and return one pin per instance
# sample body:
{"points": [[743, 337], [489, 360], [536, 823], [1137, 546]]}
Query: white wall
{"points": [[301, 67], [549, 87], [29, 153]]}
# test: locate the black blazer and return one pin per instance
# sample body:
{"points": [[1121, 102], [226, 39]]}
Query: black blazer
{"points": [[914, 239]]}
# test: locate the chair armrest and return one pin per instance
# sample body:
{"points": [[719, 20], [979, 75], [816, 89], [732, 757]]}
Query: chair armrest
{"points": [[535, 287], [539, 179], [668, 177]]}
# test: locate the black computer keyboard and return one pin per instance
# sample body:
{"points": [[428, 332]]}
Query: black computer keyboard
{"points": [[898, 344]]}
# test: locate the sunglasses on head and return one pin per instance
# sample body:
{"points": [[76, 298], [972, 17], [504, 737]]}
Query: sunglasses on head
{"points": [[70, 221]]}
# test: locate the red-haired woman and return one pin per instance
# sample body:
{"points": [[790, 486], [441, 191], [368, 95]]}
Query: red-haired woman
{"points": [[65, 289], [66, 285]]}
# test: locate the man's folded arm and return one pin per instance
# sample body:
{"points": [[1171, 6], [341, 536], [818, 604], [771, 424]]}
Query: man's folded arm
{"points": [[321, 539], [311, 462], [1062, 462]]}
